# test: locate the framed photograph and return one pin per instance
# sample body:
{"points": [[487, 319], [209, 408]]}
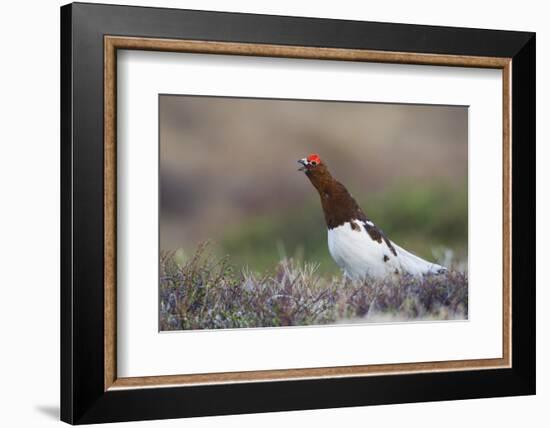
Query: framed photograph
{"points": [[265, 213]]}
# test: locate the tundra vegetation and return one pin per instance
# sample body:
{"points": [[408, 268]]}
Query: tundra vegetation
{"points": [[205, 292]]}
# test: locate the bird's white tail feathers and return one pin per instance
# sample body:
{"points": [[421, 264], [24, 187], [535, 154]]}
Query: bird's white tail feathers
{"points": [[416, 266]]}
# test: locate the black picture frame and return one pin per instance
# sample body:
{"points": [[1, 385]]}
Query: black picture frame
{"points": [[83, 398]]}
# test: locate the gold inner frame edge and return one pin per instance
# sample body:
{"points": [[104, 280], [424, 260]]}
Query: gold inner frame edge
{"points": [[113, 43]]}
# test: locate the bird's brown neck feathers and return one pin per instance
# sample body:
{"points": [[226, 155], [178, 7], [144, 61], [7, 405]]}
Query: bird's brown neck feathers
{"points": [[338, 204]]}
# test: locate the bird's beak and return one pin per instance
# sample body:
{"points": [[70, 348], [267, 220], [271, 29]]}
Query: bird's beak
{"points": [[304, 163]]}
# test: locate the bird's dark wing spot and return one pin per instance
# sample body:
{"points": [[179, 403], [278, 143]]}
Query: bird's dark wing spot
{"points": [[390, 246], [373, 231], [377, 235], [386, 258]]}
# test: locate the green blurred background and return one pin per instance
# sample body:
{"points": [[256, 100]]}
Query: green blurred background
{"points": [[228, 174]]}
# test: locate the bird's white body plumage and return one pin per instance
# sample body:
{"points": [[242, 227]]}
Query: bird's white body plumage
{"points": [[360, 256]]}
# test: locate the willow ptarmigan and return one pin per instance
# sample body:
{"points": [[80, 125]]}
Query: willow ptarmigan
{"points": [[355, 243]]}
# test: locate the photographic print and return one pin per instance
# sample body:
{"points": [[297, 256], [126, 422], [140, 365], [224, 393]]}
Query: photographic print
{"points": [[280, 212]]}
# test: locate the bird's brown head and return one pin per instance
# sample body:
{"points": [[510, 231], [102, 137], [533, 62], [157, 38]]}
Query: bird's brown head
{"points": [[316, 170], [312, 165]]}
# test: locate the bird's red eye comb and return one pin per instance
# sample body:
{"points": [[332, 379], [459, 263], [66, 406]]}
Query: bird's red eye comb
{"points": [[314, 158]]}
